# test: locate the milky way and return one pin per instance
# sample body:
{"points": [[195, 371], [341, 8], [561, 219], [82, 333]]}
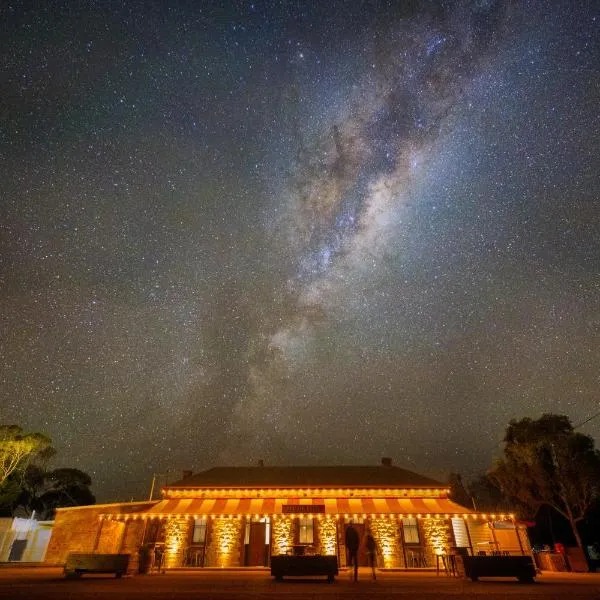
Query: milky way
{"points": [[351, 180], [303, 233]]}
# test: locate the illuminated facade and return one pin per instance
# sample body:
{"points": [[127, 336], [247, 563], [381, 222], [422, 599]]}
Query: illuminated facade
{"points": [[240, 516]]}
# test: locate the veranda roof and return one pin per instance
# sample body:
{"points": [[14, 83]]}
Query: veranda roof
{"points": [[328, 506]]}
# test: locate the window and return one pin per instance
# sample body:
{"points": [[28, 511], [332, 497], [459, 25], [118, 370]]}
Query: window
{"points": [[461, 534], [306, 531], [411, 531], [199, 536]]}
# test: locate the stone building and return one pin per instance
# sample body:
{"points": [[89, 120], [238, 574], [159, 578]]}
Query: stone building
{"points": [[240, 516]]}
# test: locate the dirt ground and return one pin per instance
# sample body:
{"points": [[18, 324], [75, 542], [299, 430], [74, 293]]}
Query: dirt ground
{"points": [[44, 583]]}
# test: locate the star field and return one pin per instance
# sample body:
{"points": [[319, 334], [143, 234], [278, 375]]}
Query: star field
{"points": [[303, 232]]}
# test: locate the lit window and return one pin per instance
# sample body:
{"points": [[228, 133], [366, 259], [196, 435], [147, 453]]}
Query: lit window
{"points": [[411, 531], [199, 536], [306, 531]]}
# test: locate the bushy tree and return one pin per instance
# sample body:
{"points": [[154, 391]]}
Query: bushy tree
{"points": [[25, 482], [44, 491], [546, 462], [18, 449]]}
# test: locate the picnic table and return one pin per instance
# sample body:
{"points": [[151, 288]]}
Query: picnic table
{"points": [[79, 563], [296, 566], [521, 567]]}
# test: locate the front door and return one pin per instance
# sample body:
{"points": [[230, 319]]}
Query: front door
{"points": [[256, 544]]}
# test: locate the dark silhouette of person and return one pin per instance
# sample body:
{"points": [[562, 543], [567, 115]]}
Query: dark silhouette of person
{"points": [[371, 548], [159, 555], [352, 544]]}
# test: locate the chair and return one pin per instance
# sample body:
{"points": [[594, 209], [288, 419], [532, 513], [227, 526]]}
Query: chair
{"points": [[416, 559], [450, 564], [410, 559]]}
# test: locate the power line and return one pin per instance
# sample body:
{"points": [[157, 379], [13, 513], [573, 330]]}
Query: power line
{"points": [[587, 420]]}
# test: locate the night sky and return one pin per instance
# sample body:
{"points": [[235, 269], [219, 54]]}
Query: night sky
{"points": [[303, 232]]}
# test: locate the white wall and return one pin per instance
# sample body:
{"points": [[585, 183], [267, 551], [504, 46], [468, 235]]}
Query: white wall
{"points": [[36, 533]]}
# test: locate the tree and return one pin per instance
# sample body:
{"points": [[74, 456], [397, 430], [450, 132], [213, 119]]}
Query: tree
{"points": [[18, 448], [44, 491], [489, 498], [546, 462], [458, 491]]}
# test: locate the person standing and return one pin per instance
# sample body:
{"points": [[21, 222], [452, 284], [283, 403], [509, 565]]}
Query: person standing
{"points": [[372, 551], [159, 554], [352, 544]]}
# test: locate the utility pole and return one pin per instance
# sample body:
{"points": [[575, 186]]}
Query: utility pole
{"points": [[152, 486]]}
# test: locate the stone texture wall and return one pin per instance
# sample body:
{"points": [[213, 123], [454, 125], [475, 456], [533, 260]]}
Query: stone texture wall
{"points": [[343, 555], [437, 535], [387, 535], [74, 530], [110, 536], [77, 529], [225, 544], [177, 537], [282, 535], [326, 535], [131, 542]]}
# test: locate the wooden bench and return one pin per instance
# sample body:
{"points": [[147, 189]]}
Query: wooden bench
{"points": [[78, 564], [297, 566]]}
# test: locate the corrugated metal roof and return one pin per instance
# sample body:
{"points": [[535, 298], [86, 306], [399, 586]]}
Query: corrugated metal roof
{"points": [[308, 476]]}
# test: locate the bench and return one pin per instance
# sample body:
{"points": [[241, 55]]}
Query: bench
{"points": [[78, 564], [521, 567], [297, 566]]}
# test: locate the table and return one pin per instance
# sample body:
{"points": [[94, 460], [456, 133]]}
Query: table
{"points": [[78, 563], [296, 566], [521, 567]]}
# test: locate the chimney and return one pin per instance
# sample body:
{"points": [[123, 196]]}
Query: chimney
{"points": [[386, 461], [261, 463], [187, 474]]}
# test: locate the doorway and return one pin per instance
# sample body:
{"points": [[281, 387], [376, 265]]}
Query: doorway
{"points": [[256, 550]]}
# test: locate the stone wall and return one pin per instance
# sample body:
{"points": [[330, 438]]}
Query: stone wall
{"points": [[225, 544], [437, 535], [77, 529], [282, 535], [110, 536], [326, 535], [341, 543], [387, 535], [177, 536], [131, 541]]}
